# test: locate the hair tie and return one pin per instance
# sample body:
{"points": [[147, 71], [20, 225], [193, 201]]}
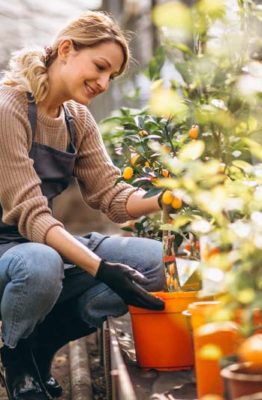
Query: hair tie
{"points": [[48, 54]]}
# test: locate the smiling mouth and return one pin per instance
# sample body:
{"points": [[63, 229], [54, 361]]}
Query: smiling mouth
{"points": [[90, 90]]}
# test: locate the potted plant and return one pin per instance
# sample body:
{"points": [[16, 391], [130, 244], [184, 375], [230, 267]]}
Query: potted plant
{"points": [[197, 141]]}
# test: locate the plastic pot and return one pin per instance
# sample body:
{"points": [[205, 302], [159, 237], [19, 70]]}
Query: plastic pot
{"points": [[200, 312], [162, 338], [221, 337]]}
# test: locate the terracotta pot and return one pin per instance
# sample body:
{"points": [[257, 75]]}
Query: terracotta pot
{"points": [[240, 380], [162, 338]]}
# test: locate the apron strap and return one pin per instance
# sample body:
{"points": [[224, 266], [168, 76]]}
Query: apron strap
{"points": [[32, 116], [32, 113], [70, 125]]}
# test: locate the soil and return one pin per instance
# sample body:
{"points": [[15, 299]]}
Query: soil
{"points": [[61, 371]]}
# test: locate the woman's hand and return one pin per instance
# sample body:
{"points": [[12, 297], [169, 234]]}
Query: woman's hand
{"points": [[125, 281]]}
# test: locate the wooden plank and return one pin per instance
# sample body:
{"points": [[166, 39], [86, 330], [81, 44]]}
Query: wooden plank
{"points": [[81, 386]]}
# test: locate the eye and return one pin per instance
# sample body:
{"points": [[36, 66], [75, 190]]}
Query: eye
{"points": [[100, 67]]}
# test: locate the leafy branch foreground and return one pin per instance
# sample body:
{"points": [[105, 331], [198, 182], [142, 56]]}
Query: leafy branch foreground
{"points": [[199, 139]]}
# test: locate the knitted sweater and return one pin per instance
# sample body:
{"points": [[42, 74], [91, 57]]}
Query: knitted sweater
{"points": [[21, 197]]}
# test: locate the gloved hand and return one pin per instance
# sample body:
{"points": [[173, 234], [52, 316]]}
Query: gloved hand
{"points": [[124, 281]]}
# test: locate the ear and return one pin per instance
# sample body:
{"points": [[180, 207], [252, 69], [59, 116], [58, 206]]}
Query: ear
{"points": [[65, 47]]}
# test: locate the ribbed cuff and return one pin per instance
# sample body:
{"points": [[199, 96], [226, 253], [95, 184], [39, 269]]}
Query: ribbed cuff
{"points": [[118, 212], [42, 226]]}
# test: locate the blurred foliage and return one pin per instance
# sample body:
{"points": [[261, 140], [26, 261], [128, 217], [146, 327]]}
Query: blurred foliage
{"points": [[213, 58]]}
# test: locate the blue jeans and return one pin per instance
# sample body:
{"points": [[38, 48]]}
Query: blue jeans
{"points": [[33, 278]]}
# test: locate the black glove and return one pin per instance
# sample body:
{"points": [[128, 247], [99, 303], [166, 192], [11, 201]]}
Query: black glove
{"points": [[124, 280]]}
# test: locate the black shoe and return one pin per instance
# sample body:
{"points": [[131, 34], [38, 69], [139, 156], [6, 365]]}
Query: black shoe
{"points": [[20, 376], [60, 327], [53, 387], [44, 358]]}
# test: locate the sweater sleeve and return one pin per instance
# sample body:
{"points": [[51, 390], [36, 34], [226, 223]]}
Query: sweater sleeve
{"points": [[21, 197], [97, 176]]}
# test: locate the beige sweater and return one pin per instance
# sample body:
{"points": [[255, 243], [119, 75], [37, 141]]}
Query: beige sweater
{"points": [[20, 193]]}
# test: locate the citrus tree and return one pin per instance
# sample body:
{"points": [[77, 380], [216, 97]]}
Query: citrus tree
{"points": [[198, 140], [216, 85]]}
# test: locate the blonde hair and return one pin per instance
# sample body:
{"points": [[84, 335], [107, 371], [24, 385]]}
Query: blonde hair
{"points": [[28, 67]]}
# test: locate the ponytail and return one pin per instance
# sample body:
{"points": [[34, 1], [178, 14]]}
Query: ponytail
{"points": [[28, 73]]}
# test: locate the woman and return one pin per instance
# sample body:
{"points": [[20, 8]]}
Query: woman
{"points": [[55, 287]]}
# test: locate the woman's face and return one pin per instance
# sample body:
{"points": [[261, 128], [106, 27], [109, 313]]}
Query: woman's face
{"points": [[87, 72]]}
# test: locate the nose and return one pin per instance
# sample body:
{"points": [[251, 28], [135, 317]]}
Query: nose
{"points": [[103, 82]]}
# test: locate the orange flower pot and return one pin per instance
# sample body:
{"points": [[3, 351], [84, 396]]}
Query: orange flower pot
{"points": [[162, 338], [222, 338], [200, 312]]}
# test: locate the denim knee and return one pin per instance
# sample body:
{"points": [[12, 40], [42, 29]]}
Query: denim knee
{"points": [[31, 275], [98, 303], [153, 266], [40, 266], [145, 255]]}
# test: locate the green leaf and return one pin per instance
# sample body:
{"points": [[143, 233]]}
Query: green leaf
{"points": [[133, 138], [243, 165], [127, 229], [183, 47], [139, 121], [255, 148], [152, 192]]}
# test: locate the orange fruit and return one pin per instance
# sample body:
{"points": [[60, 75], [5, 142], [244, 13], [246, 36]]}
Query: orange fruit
{"points": [[166, 149], [167, 197], [211, 397], [128, 173], [165, 173], [194, 132], [176, 202], [250, 350], [143, 133]]}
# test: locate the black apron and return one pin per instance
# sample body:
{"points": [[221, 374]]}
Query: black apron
{"points": [[54, 168]]}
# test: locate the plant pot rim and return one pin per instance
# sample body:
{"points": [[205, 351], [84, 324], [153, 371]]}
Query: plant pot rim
{"points": [[174, 302], [254, 396], [238, 371], [175, 295], [203, 304]]}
